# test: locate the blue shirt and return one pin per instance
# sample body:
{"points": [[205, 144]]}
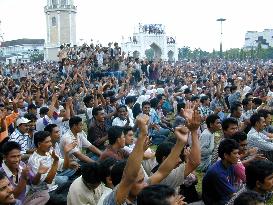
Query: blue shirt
{"points": [[217, 184]]}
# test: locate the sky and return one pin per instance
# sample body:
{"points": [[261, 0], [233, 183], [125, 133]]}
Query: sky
{"points": [[192, 22]]}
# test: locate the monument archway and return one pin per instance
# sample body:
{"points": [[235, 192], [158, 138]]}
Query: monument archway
{"points": [[157, 51], [170, 56]]}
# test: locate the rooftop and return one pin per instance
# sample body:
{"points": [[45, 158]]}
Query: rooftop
{"points": [[23, 41]]}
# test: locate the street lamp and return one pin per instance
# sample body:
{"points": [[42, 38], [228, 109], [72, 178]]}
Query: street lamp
{"points": [[221, 46]]}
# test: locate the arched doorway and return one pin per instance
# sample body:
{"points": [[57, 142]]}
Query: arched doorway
{"points": [[170, 56], [157, 51], [136, 54]]}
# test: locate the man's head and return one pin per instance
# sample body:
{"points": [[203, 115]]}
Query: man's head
{"points": [[230, 126], [249, 198], [247, 104], [180, 107], [22, 124], [228, 151], [32, 123], [98, 113], [44, 111], [88, 101], [259, 176], [42, 141], [205, 100], [146, 107], [258, 122], [214, 123], [105, 171], [116, 176], [267, 116], [116, 136], [129, 135], [241, 138], [122, 112], [32, 109], [54, 131], [12, 154], [75, 124], [157, 195], [129, 101], [6, 190], [90, 175], [236, 110]]}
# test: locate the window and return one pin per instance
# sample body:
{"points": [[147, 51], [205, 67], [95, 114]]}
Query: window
{"points": [[53, 21], [63, 2]]}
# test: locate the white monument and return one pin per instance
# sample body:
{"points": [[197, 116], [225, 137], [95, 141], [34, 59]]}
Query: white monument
{"points": [[151, 36], [61, 26]]}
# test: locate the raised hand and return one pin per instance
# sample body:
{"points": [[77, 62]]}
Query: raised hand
{"points": [[182, 133], [147, 143], [25, 172], [54, 156], [194, 123], [187, 113], [179, 200], [42, 169], [69, 147], [142, 120]]}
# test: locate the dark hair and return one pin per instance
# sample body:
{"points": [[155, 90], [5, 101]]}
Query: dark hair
{"points": [[239, 136], [255, 118], [31, 117], [117, 172], [136, 110], [264, 113], [75, 120], [204, 98], [121, 106], [126, 129], [180, 106], [96, 110], [31, 106], [248, 198], [49, 128], [2, 175], [211, 119], [87, 99], [229, 121], [163, 150], [105, 168], [40, 136], [44, 110], [114, 133], [129, 99], [90, 173], [195, 97], [257, 170], [233, 88], [226, 147], [145, 103], [257, 101], [154, 102], [245, 102], [235, 106], [10, 145], [155, 195], [247, 95]]}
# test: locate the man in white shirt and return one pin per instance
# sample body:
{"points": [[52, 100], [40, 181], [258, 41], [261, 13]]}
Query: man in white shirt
{"points": [[123, 119], [76, 134]]}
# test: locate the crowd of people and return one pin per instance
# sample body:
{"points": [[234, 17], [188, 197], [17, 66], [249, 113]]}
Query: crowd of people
{"points": [[100, 127]]}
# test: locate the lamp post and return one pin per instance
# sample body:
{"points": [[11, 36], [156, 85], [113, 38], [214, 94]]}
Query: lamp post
{"points": [[221, 46]]}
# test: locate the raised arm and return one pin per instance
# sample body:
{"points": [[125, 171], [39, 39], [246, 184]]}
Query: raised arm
{"points": [[169, 164], [133, 164]]}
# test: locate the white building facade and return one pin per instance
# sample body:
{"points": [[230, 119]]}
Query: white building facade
{"points": [[151, 36], [61, 26], [254, 38], [19, 50]]}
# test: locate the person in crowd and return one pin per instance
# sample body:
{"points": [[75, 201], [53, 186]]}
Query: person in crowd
{"points": [[229, 126], [256, 137], [116, 144], [159, 195], [268, 131], [179, 119], [77, 135], [97, 132], [6, 191], [44, 163], [218, 182], [16, 171], [208, 141], [123, 117], [259, 175], [249, 198]]}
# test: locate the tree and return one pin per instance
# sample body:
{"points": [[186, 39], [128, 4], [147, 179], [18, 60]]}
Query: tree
{"points": [[36, 56]]}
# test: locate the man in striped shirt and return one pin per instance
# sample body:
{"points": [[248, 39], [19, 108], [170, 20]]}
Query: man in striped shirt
{"points": [[20, 135]]}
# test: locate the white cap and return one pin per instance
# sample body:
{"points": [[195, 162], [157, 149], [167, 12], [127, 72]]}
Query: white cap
{"points": [[22, 120]]}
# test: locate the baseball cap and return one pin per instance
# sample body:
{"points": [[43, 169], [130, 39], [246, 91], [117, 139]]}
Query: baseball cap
{"points": [[22, 120]]}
